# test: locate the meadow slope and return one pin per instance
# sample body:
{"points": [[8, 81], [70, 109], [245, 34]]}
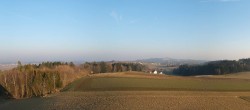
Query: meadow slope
{"points": [[135, 81]]}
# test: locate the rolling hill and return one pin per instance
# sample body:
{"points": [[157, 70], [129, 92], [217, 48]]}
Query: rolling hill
{"points": [[171, 61], [134, 81]]}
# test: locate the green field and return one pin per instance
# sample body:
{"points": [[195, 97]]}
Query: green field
{"points": [[169, 83]]}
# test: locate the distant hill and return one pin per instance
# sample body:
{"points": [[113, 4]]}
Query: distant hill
{"points": [[171, 61], [7, 66], [215, 68]]}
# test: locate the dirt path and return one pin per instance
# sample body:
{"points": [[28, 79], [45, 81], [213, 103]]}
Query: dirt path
{"points": [[126, 100]]}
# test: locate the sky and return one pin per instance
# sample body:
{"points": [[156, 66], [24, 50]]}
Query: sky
{"points": [[100, 30]]}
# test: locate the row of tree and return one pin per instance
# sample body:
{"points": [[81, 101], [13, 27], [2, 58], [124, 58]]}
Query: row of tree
{"points": [[39, 80], [48, 77], [109, 67], [214, 68]]}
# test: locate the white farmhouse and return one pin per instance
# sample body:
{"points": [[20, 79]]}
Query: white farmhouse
{"points": [[155, 72]]}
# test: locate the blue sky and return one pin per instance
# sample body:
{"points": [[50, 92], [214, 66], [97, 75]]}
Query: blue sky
{"points": [[91, 30]]}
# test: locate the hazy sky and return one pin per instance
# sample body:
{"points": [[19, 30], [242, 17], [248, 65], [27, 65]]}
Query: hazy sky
{"points": [[35, 30]]}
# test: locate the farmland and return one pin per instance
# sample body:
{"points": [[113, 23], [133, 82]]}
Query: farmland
{"points": [[133, 90], [108, 100], [241, 75], [140, 81]]}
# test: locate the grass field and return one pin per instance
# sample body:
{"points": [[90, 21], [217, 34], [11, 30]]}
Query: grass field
{"points": [[138, 81], [139, 91], [241, 75]]}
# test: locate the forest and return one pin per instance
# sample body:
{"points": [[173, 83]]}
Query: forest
{"points": [[31, 80], [38, 79], [109, 67], [214, 68]]}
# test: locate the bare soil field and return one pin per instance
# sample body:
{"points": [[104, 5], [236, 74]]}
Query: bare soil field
{"points": [[140, 91], [136, 100]]}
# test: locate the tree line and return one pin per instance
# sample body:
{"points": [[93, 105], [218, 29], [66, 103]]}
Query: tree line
{"points": [[109, 67], [214, 68], [39, 79], [30, 80]]}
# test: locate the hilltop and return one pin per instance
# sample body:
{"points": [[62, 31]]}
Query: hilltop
{"points": [[172, 61]]}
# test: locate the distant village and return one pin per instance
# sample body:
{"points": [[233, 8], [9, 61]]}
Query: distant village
{"points": [[156, 72]]}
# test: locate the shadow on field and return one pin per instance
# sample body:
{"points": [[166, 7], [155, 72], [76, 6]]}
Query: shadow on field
{"points": [[4, 93], [246, 98]]}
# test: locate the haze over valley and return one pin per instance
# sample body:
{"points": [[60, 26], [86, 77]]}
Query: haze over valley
{"points": [[125, 54], [36, 31]]}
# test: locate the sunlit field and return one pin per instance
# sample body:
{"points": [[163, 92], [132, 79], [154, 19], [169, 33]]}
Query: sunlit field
{"points": [[133, 90], [141, 81]]}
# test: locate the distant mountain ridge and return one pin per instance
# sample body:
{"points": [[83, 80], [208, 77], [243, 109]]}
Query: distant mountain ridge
{"points": [[172, 61]]}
